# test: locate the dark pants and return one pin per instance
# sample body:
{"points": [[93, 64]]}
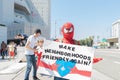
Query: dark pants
{"points": [[4, 53], [31, 61], [58, 78]]}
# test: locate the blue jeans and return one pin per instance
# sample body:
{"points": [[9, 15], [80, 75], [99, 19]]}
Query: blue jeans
{"points": [[3, 54], [31, 61]]}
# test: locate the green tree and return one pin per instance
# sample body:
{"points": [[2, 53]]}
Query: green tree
{"points": [[87, 41], [82, 42]]}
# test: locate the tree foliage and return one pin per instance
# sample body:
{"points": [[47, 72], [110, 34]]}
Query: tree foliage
{"points": [[87, 41]]}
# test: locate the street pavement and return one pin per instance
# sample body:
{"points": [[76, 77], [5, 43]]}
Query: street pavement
{"points": [[107, 69], [110, 65]]}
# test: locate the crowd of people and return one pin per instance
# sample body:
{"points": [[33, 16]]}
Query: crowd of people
{"points": [[8, 51]]}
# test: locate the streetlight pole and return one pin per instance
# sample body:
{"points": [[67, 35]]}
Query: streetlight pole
{"points": [[55, 29]]}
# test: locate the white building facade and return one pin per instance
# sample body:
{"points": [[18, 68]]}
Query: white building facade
{"points": [[115, 35], [3, 34], [24, 16], [116, 29]]}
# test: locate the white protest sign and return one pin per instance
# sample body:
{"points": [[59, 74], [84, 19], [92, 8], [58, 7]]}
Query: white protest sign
{"points": [[66, 60]]}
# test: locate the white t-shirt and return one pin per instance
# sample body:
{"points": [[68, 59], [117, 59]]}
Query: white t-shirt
{"points": [[33, 40]]}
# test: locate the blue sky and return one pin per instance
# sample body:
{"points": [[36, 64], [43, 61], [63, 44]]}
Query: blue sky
{"points": [[90, 17]]}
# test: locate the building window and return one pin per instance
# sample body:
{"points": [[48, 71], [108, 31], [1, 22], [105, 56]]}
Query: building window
{"points": [[13, 33], [20, 16], [10, 33], [16, 32], [20, 31]]}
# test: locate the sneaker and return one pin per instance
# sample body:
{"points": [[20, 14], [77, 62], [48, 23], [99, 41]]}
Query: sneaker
{"points": [[35, 78]]}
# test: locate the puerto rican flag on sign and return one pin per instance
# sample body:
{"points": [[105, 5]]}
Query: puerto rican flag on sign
{"points": [[66, 61]]}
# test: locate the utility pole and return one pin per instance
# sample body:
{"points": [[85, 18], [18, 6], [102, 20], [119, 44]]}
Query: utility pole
{"points": [[55, 29]]}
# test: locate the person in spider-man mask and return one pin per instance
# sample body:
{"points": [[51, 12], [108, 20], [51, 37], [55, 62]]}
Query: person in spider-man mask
{"points": [[68, 33]]}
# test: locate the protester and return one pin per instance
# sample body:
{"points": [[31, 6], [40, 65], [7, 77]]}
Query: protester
{"points": [[11, 50], [21, 39], [68, 33], [39, 50], [30, 56], [3, 49]]}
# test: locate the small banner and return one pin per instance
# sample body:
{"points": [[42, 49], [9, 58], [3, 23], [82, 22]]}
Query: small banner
{"points": [[68, 61]]}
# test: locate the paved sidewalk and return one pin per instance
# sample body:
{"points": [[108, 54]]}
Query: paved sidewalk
{"points": [[17, 73], [4, 63], [95, 76], [20, 76]]}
